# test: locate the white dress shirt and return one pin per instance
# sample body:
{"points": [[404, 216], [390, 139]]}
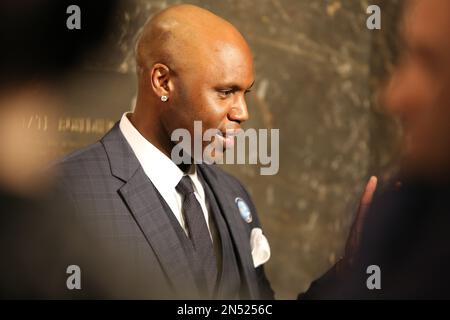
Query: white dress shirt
{"points": [[162, 171]]}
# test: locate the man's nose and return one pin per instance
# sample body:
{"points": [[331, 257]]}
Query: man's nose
{"points": [[239, 111]]}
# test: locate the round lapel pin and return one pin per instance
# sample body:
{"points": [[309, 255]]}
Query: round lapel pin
{"points": [[244, 210]]}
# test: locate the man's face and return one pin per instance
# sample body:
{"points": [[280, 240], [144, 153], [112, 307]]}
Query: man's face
{"points": [[213, 91], [419, 90]]}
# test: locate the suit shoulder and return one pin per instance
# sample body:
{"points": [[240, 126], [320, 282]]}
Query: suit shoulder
{"points": [[92, 157]]}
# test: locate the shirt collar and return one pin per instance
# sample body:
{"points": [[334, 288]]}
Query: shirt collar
{"points": [[160, 169]]}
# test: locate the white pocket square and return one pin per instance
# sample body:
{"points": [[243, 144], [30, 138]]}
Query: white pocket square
{"points": [[260, 247]]}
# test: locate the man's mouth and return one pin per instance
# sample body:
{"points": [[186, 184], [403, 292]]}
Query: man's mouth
{"points": [[227, 138]]}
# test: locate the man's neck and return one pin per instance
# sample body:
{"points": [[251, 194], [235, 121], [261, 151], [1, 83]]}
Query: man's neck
{"points": [[150, 133]]}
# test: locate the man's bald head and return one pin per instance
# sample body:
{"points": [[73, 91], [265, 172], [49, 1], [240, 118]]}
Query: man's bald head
{"points": [[184, 35], [201, 64]]}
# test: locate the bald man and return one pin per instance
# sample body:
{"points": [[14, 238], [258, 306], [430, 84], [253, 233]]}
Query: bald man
{"points": [[184, 229]]}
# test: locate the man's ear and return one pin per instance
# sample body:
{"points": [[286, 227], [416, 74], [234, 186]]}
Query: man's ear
{"points": [[160, 79]]}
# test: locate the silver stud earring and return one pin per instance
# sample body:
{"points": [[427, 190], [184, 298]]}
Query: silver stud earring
{"points": [[164, 98]]}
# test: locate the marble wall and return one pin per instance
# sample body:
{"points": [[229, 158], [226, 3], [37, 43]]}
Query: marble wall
{"points": [[317, 70]]}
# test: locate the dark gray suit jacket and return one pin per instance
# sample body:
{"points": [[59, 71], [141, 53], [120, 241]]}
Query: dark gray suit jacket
{"points": [[117, 201]]}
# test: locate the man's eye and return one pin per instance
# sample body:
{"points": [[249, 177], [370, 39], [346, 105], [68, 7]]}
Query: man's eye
{"points": [[226, 93]]}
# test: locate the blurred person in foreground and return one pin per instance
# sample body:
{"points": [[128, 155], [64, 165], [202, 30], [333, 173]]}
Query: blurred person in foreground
{"points": [[39, 237], [406, 230]]}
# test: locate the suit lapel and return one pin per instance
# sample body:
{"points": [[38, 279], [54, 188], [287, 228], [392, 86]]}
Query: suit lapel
{"points": [[140, 195], [226, 200]]}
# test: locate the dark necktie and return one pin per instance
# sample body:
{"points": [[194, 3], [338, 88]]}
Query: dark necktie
{"points": [[198, 231]]}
